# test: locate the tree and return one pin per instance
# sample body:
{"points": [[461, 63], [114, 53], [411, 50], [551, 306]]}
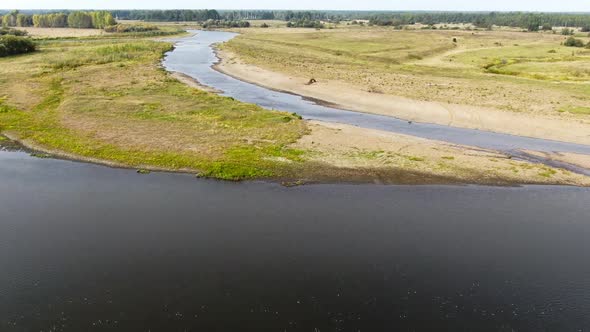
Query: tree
{"points": [[102, 19], [21, 20], [80, 20], [9, 20]]}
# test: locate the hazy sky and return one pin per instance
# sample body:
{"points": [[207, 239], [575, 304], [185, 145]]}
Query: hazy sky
{"points": [[461, 5]]}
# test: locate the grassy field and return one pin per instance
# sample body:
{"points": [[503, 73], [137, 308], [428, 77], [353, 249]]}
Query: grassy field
{"points": [[108, 99], [507, 70]]}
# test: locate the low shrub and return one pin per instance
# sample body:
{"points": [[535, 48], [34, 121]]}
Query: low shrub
{"points": [[212, 24], [567, 32], [12, 45], [12, 32], [305, 24], [122, 28], [573, 42]]}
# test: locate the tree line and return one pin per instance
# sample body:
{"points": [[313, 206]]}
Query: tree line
{"points": [[525, 20], [529, 21], [167, 15], [74, 19]]}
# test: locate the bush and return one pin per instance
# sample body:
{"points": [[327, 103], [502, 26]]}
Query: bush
{"points": [[567, 32], [12, 32], [211, 24], [573, 42], [12, 45], [122, 28], [305, 24]]}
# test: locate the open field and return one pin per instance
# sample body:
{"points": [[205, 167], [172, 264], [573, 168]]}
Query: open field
{"points": [[108, 100], [520, 83]]}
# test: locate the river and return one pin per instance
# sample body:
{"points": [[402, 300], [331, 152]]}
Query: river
{"points": [[87, 248]]}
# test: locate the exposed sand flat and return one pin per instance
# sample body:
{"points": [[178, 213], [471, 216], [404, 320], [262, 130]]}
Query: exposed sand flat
{"points": [[352, 147], [579, 160], [354, 98]]}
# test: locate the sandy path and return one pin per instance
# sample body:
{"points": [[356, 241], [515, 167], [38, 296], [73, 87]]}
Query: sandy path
{"points": [[352, 98]]}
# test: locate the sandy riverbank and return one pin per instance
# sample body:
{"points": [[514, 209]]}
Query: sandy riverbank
{"points": [[352, 98], [386, 154]]}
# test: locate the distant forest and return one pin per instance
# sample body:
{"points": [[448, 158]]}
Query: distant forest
{"points": [[524, 20], [73, 19]]}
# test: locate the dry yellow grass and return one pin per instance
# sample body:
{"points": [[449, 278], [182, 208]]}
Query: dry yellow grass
{"points": [[62, 32]]}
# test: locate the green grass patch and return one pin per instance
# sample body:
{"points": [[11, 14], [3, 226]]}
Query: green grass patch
{"points": [[413, 158], [547, 173], [576, 110], [109, 100]]}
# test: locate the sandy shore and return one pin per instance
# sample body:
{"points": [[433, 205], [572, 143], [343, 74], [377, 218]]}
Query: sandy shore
{"points": [[352, 98], [385, 153]]}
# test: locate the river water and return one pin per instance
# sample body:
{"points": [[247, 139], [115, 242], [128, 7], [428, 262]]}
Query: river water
{"points": [[90, 248]]}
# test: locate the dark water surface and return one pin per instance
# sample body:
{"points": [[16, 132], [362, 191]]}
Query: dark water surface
{"points": [[194, 57], [89, 248]]}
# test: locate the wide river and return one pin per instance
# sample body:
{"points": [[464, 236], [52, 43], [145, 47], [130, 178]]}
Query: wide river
{"points": [[90, 248]]}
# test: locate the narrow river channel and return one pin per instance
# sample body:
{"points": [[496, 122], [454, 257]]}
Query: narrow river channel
{"points": [[90, 248]]}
